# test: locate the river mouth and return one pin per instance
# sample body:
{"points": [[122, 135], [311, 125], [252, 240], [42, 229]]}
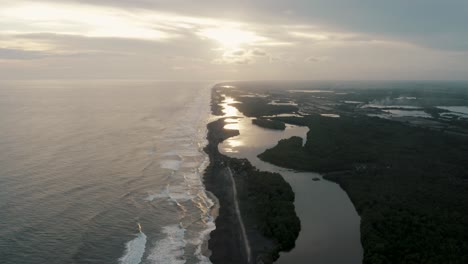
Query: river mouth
{"points": [[330, 225]]}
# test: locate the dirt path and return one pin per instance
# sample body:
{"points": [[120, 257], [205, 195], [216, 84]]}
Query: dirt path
{"points": [[239, 216]]}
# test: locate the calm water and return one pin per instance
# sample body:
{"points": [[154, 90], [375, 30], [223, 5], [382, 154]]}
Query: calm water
{"points": [[330, 231], [83, 163]]}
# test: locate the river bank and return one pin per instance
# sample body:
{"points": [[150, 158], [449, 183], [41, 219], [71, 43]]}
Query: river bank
{"points": [[263, 223], [329, 221], [225, 244]]}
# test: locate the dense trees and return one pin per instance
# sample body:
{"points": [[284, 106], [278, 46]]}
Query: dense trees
{"points": [[257, 107], [268, 123], [267, 200], [408, 184]]}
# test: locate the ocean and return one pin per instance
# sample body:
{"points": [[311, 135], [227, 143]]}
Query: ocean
{"points": [[103, 172]]}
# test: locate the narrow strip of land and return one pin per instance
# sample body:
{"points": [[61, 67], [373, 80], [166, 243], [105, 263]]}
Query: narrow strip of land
{"points": [[239, 215]]}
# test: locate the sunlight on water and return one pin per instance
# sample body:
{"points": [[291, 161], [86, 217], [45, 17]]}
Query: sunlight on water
{"points": [[232, 126], [85, 161], [321, 205], [228, 109]]}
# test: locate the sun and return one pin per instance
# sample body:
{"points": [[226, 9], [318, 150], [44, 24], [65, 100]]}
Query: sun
{"points": [[230, 37]]}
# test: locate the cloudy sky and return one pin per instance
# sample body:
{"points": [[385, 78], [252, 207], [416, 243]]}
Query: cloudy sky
{"points": [[234, 40]]}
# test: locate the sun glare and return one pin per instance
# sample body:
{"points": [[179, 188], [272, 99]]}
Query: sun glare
{"points": [[230, 37]]}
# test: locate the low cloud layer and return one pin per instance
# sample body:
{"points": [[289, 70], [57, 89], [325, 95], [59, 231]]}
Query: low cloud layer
{"points": [[226, 40]]}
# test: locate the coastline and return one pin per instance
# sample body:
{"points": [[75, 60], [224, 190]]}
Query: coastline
{"points": [[238, 223], [223, 250], [379, 172], [322, 233]]}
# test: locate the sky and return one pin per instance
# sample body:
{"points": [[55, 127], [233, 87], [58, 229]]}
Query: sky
{"points": [[234, 40]]}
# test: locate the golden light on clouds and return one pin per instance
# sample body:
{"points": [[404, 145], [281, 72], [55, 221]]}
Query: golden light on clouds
{"points": [[231, 38], [314, 36], [163, 40], [80, 20]]}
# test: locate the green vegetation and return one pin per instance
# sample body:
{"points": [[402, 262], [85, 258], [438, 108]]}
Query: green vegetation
{"points": [[268, 123], [409, 184], [267, 201]]}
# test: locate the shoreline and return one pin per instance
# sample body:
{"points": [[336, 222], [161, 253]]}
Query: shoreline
{"points": [[240, 235], [344, 237], [224, 242]]}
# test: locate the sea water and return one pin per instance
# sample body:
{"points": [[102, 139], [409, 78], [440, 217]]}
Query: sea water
{"points": [[103, 172]]}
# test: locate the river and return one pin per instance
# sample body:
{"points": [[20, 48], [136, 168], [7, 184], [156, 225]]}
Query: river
{"points": [[329, 222]]}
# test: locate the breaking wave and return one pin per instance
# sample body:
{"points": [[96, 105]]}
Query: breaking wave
{"points": [[169, 250], [134, 250]]}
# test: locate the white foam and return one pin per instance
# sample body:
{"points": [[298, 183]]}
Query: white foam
{"points": [[169, 153], [169, 250], [191, 164], [352, 102], [173, 193], [134, 250], [170, 164], [406, 98], [181, 150], [189, 152], [202, 245]]}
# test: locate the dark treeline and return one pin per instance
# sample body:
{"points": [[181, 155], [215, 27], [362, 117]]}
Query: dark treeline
{"points": [[410, 185], [257, 107], [268, 123], [266, 202]]}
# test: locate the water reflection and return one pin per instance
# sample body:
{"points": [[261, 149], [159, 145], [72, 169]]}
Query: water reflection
{"points": [[330, 115], [329, 222], [231, 120], [228, 109], [232, 146], [232, 126]]}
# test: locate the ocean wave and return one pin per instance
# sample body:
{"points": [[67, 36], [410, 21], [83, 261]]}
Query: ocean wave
{"points": [[175, 195], [169, 250], [202, 252], [182, 152], [171, 164], [134, 250]]}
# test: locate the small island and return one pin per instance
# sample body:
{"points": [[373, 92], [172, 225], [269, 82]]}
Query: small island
{"points": [[269, 124]]}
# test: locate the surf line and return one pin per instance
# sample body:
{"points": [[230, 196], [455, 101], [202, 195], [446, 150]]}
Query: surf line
{"points": [[239, 216]]}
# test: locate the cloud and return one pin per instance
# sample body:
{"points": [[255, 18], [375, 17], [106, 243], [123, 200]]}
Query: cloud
{"points": [[181, 39], [312, 59], [81, 20], [430, 23], [258, 52], [241, 56], [239, 52], [15, 54], [19, 54]]}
